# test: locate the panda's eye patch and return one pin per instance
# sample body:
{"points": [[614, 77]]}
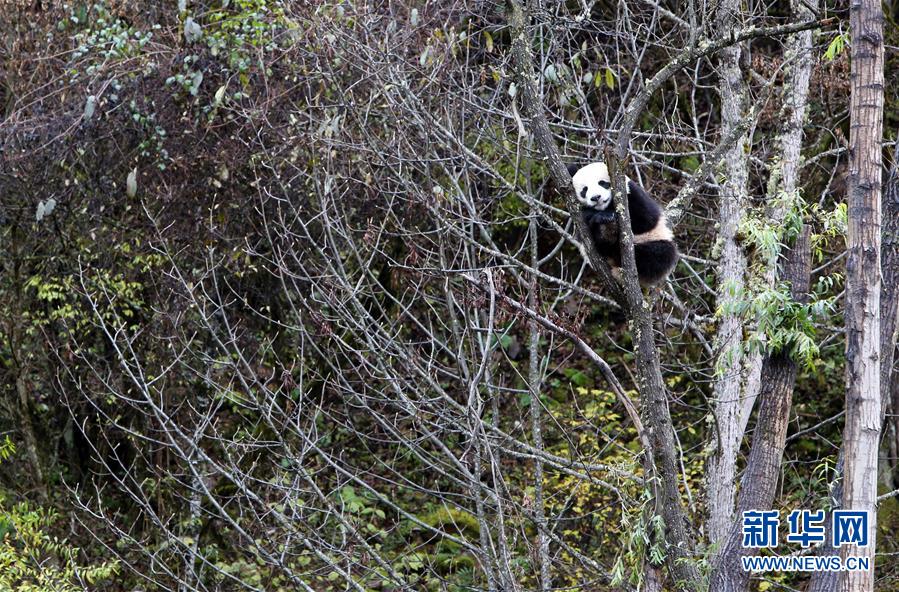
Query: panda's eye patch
{"points": [[584, 192], [605, 184]]}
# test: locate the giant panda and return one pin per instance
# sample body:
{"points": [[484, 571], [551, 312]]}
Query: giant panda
{"points": [[654, 249]]}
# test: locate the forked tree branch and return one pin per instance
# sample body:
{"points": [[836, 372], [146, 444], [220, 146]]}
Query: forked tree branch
{"points": [[652, 388], [582, 345], [526, 78], [661, 442], [703, 48]]}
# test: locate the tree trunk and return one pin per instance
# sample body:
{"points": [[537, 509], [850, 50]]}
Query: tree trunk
{"points": [[777, 375], [739, 384], [28, 435], [828, 581], [763, 468], [725, 441], [535, 376], [654, 401], [654, 408], [863, 397], [889, 301]]}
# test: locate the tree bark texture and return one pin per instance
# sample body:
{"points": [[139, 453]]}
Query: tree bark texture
{"points": [[740, 382], [889, 298], [759, 482], [654, 401], [731, 286], [783, 181], [828, 581], [863, 336]]}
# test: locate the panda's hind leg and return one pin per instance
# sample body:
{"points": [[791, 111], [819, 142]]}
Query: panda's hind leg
{"points": [[655, 260]]}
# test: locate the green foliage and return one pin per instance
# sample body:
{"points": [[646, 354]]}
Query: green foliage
{"points": [[644, 540], [577, 377], [834, 225], [767, 239], [189, 79], [7, 448], [459, 520], [241, 28], [104, 37], [781, 323], [117, 298], [152, 145], [31, 559], [836, 46], [610, 78], [590, 67], [690, 163], [358, 505], [777, 322]]}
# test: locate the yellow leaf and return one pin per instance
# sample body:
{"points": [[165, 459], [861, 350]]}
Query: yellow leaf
{"points": [[488, 38], [610, 78]]}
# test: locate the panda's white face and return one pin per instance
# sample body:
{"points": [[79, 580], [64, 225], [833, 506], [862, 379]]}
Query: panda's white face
{"points": [[592, 186]]}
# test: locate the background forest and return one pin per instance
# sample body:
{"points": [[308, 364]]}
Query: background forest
{"points": [[289, 300]]}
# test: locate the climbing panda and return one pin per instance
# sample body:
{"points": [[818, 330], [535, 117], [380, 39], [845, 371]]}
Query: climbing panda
{"points": [[654, 249]]}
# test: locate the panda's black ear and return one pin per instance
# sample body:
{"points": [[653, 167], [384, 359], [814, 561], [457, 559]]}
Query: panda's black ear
{"points": [[573, 168]]}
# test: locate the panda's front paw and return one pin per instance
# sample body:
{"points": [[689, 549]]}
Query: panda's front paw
{"points": [[602, 216]]}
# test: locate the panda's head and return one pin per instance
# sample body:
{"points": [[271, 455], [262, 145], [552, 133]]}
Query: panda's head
{"points": [[592, 185]]}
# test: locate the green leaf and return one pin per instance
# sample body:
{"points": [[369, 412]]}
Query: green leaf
{"points": [[577, 377], [690, 164], [551, 73], [488, 39], [220, 94], [836, 46], [610, 78]]}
